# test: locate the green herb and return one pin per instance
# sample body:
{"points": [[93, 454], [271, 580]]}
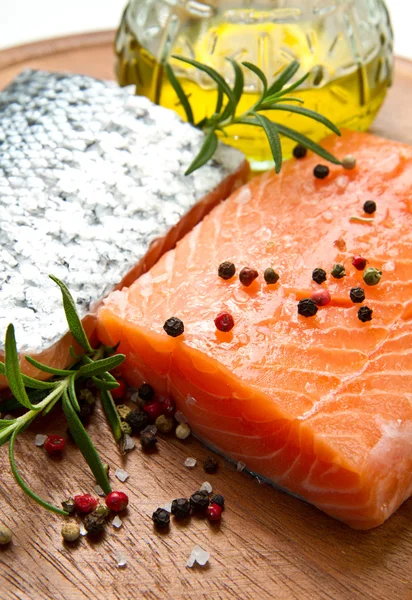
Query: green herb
{"points": [[274, 97], [93, 364]]}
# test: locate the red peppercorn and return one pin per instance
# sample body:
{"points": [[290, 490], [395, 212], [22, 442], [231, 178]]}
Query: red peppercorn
{"points": [[214, 512], [321, 297], [54, 444], [247, 276], [117, 501], [153, 410], [168, 407], [224, 322], [359, 263], [85, 503], [119, 392]]}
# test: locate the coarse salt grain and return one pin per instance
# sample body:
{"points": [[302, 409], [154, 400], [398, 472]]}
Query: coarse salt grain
{"points": [[206, 487], [129, 442], [83, 530], [120, 559], [117, 522], [40, 439], [99, 490], [121, 474], [180, 417], [198, 555], [240, 466], [190, 462], [167, 507]]}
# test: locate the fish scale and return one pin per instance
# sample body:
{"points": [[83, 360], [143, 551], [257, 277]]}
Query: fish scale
{"points": [[90, 175]]}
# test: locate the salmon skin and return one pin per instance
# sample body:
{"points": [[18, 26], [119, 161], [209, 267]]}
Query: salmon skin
{"points": [[321, 406]]}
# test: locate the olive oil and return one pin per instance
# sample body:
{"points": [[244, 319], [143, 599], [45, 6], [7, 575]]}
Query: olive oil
{"points": [[343, 85]]}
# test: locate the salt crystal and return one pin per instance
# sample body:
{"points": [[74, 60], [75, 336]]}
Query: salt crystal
{"points": [[240, 466], [83, 530], [206, 487], [121, 559], [180, 418], [121, 474], [99, 490], [198, 555], [40, 439], [117, 522], [9, 418], [150, 429], [167, 507], [135, 397], [190, 462], [129, 442]]}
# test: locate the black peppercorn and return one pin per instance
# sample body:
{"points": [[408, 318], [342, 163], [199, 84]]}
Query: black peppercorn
{"points": [[338, 271], [161, 518], [210, 465], [319, 275], [94, 523], [174, 327], [299, 151], [321, 171], [86, 396], [137, 419], [365, 314], [247, 276], [181, 508], [199, 501], [69, 506], [219, 500], [369, 207], [148, 440], [146, 392], [85, 411], [357, 295], [307, 307], [270, 276], [226, 270]]}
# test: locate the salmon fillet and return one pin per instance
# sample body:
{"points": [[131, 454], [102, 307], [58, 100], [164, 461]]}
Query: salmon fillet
{"points": [[320, 406]]}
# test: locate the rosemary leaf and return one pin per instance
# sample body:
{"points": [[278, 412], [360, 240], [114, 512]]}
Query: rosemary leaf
{"points": [[71, 390], [237, 89], [287, 74], [98, 367], [104, 385], [180, 93], [308, 143], [29, 382], [259, 73], [85, 445], [12, 370], [206, 152], [272, 134], [73, 321], [112, 415], [47, 369], [217, 78], [311, 114], [6, 423], [284, 91], [219, 101]]}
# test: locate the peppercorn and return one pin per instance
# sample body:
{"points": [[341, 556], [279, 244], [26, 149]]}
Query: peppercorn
{"points": [[365, 314], [174, 327], [148, 440], [54, 444], [84, 412], [299, 151], [319, 275], [338, 271], [372, 276], [219, 500], [125, 427], [369, 207], [210, 465], [321, 297], [247, 276], [5, 535], [70, 532], [224, 322], [348, 162], [86, 396], [117, 501], [168, 407], [164, 424], [69, 505], [270, 276], [119, 392], [85, 503], [214, 512], [357, 295], [102, 510], [199, 501], [359, 262], [226, 270], [161, 518], [123, 410], [183, 431], [181, 508], [321, 171], [153, 410], [307, 307], [106, 468], [94, 524], [137, 420], [146, 392]]}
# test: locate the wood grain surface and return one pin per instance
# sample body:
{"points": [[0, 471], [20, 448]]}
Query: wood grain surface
{"points": [[268, 545]]}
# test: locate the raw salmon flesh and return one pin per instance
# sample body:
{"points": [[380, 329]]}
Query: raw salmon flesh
{"points": [[320, 406]]}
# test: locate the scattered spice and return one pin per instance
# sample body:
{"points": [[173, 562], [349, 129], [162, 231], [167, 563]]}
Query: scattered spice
{"points": [[321, 297], [321, 171], [120, 559], [348, 162], [117, 522], [180, 417], [123, 410], [299, 151], [94, 524], [40, 439], [359, 262], [119, 392], [164, 424], [372, 276], [146, 392], [127, 430], [240, 466], [340, 244], [206, 487], [69, 505], [138, 420], [365, 314], [174, 327], [102, 510], [85, 503], [247, 276], [183, 431], [161, 518], [106, 467], [214, 512], [319, 275], [357, 295], [117, 501], [198, 555], [87, 397], [190, 462], [181, 508], [5, 535], [226, 270], [219, 500], [168, 407], [54, 444], [129, 443], [338, 271], [224, 322], [307, 307], [270, 276], [369, 207], [153, 410], [199, 501], [356, 219], [121, 475], [148, 440], [99, 491], [210, 465], [70, 532]]}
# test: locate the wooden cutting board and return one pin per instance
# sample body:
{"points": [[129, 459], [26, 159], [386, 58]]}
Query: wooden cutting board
{"points": [[268, 545]]}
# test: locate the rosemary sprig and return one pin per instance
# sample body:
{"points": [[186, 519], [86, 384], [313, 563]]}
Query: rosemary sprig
{"points": [[93, 364], [273, 97]]}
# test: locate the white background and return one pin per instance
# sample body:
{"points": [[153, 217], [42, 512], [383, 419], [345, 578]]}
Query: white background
{"points": [[31, 20]]}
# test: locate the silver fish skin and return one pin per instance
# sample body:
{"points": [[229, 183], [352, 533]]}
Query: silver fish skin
{"points": [[90, 175]]}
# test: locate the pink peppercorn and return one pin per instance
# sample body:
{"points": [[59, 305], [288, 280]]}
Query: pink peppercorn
{"points": [[359, 263], [214, 512], [117, 501], [153, 410], [54, 444], [119, 392], [321, 297], [168, 407], [85, 503], [224, 322]]}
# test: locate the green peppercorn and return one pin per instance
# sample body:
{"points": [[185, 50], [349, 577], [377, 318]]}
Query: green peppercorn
{"points": [[210, 465], [199, 501], [102, 510], [163, 424], [270, 276], [372, 276], [161, 518], [123, 410], [357, 295], [94, 523], [5, 535], [365, 314], [127, 430], [307, 307], [137, 420], [319, 275], [69, 506], [106, 467], [181, 508], [226, 270], [338, 271]]}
